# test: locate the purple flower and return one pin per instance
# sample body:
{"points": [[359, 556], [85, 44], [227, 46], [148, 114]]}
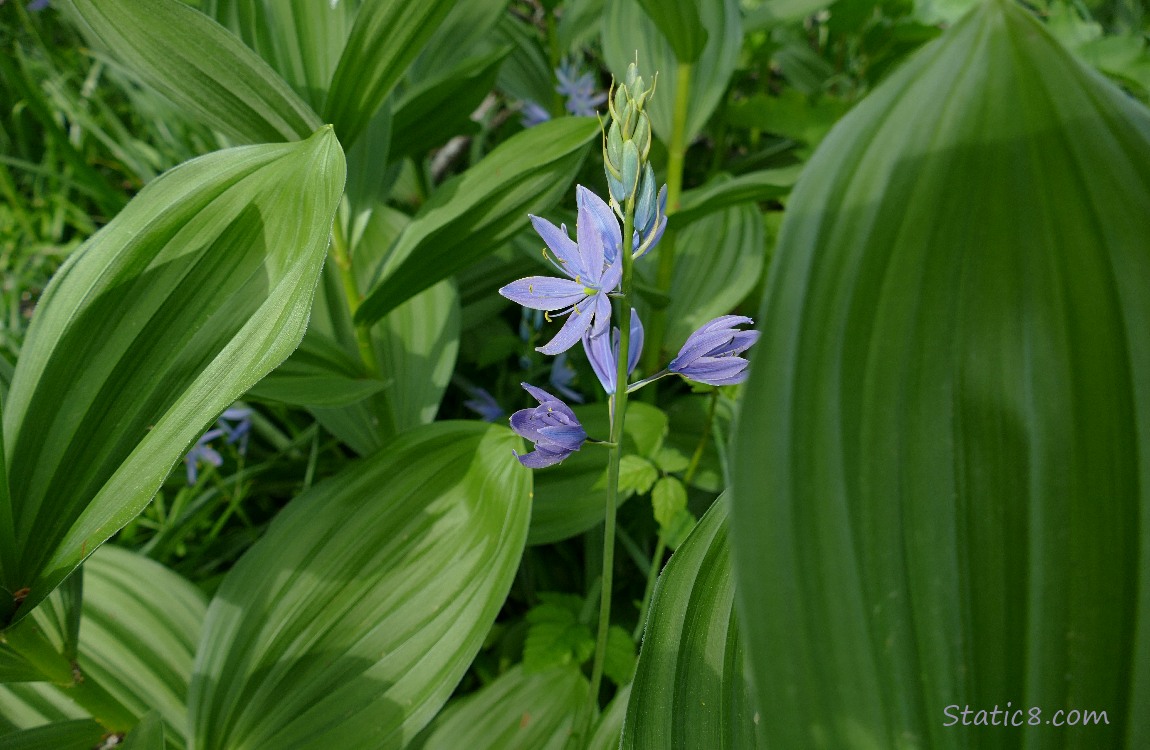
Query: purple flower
{"points": [[591, 276], [38, 5], [201, 451], [484, 404], [238, 432], [711, 353], [551, 426], [579, 88], [604, 355], [533, 114]]}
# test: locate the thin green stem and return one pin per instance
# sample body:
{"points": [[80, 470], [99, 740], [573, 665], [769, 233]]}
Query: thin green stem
{"points": [[341, 255], [618, 416], [676, 155]]}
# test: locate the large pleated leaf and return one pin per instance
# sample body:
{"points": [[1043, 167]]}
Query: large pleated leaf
{"points": [[352, 620], [941, 474], [161, 320], [627, 29], [678, 22], [72, 734], [199, 66], [691, 688], [300, 39], [474, 213], [519, 711], [386, 37]]}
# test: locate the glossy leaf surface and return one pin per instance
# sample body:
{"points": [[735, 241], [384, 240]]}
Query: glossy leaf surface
{"points": [[941, 472]]}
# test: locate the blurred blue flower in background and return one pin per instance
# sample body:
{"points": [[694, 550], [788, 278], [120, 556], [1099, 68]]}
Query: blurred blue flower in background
{"points": [[578, 86]]}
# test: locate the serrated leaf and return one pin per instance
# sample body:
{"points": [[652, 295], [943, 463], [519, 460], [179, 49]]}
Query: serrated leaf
{"points": [[627, 30], [159, 322], [940, 459], [386, 37], [519, 711], [555, 636], [669, 499], [474, 213], [636, 475], [678, 22], [351, 621], [690, 687], [566, 502], [671, 461], [199, 66], [620, 657]]}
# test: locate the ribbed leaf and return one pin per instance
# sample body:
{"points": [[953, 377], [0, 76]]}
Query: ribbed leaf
{"points": [[352, 620], [140, 629], [609, 729], [147, 735], [678, 22], [386, 37], [300, 39], [718, 261], [725, 191], [159, 322], [319, 373], [472, 214], [627, 29], [73, 734], [691, 688], [465, 32], [942, 464], [25, 705], [199, 66], [519, 711]]}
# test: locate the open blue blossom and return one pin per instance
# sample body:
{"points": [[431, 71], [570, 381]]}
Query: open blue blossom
{"points": [[711, 353], [604, 354], [582, 296], [551, 426], [578, 87]]}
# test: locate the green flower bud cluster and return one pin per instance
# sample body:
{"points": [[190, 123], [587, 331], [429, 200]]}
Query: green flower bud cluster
{"points": [[627, 142]]}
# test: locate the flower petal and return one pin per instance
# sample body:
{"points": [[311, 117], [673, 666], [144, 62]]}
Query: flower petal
{"points": [[589, 230], [568, 437], [635, 343], [544, 292], [602, 314], [572, 331], [725, 321], [717, 371], [541, 458], [604, 219], [701, 344], [546, 399], [561, 245], [600, 355]]}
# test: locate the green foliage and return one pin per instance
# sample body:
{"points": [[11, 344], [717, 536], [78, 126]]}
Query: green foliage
{"points": [[938, 458]]}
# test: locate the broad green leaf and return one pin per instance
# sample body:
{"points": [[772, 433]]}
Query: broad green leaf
{"points": [[147, 735], [690, 688], [527, 73], [159, 322], [141, 625], [567, 501], [555, 636], [578, 24], [636, 475], [769, 13], [472, 214], [941, 470], [26, 705], [627, 30], [351, 621], [199, 66], [300, 39], [619, 659], [718, 261], [726, 191], [72, 734], [416, 346], [678, 22], [790, 113], [467, 31], [519, 711], [432, 111], [669, 499], [609, 728], [319, 373], [386, 37]]}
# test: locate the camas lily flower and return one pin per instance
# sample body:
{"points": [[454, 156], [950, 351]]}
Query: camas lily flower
{"points": [[578, 87], [604, 354], [203, 451], [582, 296], [551, 426], [711, 353]]}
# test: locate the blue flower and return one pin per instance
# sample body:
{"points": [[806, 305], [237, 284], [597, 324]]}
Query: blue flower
{"points": [[579, 88], [551, 426], [583, 296], [711, 353], [604, 355], [533, 114], [484, 404], [238, 432], [201, 451], [38, 5]]}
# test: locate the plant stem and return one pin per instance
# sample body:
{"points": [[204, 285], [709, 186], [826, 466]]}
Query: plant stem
{"points": [[342, 257], [676, 154], [618, 416]]}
